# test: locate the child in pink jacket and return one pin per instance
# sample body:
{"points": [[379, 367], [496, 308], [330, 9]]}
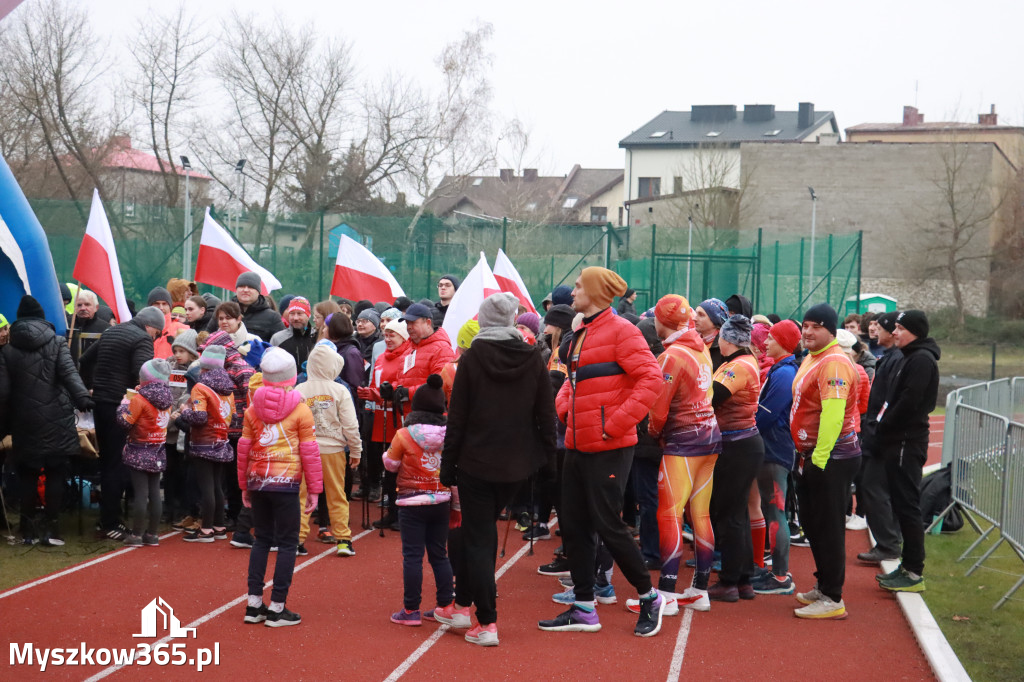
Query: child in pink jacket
{"points": [[278, 447]]}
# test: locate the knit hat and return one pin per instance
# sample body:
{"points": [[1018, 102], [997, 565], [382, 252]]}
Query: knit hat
{"points": [[739, 305], [845, 339], [390, 314], [399, 327], [211, 301], [429, 397], [498, 310], [282, 305], [154, 370], [417, 311], [736, 330], [403, 303], [467, 333], [531, 321], [759, 335], [159, 294], [787, 334], [30, 307], [451, 278], [300, 303], [823, 314], [278, 367], [763, 319], [249, 279], [360, 306], [887, 321], [915, 322], [212, 358], [151, 317], [560, 316], [602, 285], [561, 295], [3, 322], [65, 292], [371, 315], [716, 310], [177, 310], [673, 311], [187, 340]]}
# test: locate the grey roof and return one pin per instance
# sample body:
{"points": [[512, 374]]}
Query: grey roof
{"points": [[680, 130]]}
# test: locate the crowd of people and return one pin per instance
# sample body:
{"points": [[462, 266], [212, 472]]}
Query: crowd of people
{"points": [[705, 426]]}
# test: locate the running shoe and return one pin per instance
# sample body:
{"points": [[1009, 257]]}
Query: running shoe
{"points": [[671, 605], [326, 536], [255, 614], [484, 635], [301, 550], [903, 582], [198, 536], [539, 532], [133, 541], [345, 548], [284, 618], [856, 522], [691, 598], [558, 568], [770, 583], [150, 540], [648, 623], [406, 617], [890, 575], [799, 540], [603, 595], [822, 609], [726, 593], [573, 620], [241, 540], [811, 596], [453, 616]]}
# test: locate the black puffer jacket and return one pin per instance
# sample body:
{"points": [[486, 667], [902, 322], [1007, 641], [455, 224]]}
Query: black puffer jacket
{"points": [[39, 389], [113, 362], [259, 319]]}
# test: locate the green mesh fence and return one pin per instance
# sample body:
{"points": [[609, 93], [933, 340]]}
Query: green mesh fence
{"points": [[300, 249]]}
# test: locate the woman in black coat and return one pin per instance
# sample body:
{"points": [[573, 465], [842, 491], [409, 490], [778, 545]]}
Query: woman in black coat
{"points": [[39, 390]]}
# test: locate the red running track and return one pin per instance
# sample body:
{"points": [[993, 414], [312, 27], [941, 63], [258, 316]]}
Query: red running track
{"points": [[345, 603]]}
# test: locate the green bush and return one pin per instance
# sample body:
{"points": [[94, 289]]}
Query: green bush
{"points": [[976, 329]]}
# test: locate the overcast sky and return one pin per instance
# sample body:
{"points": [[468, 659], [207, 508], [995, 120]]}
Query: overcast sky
{"points": [[583, 75]]}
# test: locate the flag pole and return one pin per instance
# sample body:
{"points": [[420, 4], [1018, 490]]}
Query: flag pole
{"points": [[74, 302]]}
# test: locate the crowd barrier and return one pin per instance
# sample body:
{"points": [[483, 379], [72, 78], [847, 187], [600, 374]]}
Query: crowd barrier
{"points": [[983, 442]]}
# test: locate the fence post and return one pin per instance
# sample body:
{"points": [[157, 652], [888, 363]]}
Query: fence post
{"points": [[800, 277], [654, 241], [320, 269], [552, 274], [860, 260], [775, 283], [994, 361], [504, 235], [430, 251], [828, 283]]}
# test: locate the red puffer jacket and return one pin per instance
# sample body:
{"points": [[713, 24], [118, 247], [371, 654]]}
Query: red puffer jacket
{"points": [[427, 357], [388, 369], [614, 380]]}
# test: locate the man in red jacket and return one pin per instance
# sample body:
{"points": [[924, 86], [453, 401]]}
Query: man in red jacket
{"points": [[613, 382]]}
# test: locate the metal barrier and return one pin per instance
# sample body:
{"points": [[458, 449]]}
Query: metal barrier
{"points": [[984, 446]]}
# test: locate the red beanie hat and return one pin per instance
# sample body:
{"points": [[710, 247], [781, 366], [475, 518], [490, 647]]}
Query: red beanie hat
{"points": [[787, 334], [673, 311]]}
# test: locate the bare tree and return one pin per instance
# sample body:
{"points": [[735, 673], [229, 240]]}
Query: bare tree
{"points": [[52, 64], [167, 51]]}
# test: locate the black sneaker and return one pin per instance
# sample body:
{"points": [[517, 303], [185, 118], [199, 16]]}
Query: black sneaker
{"points": [[198, 536], [150, 540], [256, 614], [651, 611], [386, 522], [557, 568], [220, 533], [119, 533], [301, 550], [799, 540], [241, 540], [538, 532], [282, 619]]}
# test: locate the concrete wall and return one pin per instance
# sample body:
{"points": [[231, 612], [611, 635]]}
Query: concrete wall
{"points": [[890, 192]]}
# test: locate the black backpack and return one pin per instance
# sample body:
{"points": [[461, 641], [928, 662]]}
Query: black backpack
{"points": [[936, 495]]}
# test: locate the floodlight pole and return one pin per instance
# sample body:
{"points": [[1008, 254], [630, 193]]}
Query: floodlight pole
{"points": [[186, 259], [814, 217]]}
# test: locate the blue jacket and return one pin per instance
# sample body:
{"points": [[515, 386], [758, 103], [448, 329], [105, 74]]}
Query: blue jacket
{"points": [[773, 413]]}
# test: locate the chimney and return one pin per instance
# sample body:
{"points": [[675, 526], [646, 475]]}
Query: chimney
{"points": [[911, 117], [758, 113], [805, 116], [529, 174], [121, 141], [989, 119], [506, 174]]}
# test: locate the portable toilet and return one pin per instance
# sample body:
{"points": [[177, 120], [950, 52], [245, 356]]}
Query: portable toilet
{"points": [[871, 303]]}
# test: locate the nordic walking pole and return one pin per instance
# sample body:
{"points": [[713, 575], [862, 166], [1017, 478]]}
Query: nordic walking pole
{"points": [[508, 527], [533, 515]]}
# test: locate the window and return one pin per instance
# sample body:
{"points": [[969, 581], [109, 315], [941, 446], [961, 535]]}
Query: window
{"points": [[478, 182], [649, 187], [659, 133], [295, 236], [620, 216], [532, 206], [713, 133], [677, 185], [772, 133], [570, 202], [598, 214]]}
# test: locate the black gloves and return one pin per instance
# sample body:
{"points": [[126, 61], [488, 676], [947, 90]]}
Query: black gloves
{"points": [[449, 474], [387, 391], [85, 404], [401, 394]]}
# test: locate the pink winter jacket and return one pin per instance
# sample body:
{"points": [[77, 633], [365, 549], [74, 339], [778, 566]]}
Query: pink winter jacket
{"points": [[278, 444]]}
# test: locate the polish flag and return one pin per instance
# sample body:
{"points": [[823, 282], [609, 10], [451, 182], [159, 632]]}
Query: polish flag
{"points": [[465, 304], [510, 281], [221, 260], [358, 274], [96, 266]]}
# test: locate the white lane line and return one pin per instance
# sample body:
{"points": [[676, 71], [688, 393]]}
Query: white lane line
{"points": [[79, 567], [432, 640], [226, 607], [680, 650]]}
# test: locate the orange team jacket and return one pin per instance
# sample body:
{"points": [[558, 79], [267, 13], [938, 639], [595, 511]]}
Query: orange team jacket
{"points": [[822, 376], [742, 376], [683, 417], [218, 409], [149, 423], [278, 444]]}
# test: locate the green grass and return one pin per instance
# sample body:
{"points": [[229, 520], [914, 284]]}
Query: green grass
{"points": [[990, 644], [974, 361], [20, 563]]}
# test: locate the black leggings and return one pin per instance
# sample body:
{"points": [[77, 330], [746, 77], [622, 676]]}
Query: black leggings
{"points": [[735, 472], [211, 493], [55, 473], [146, 485]]}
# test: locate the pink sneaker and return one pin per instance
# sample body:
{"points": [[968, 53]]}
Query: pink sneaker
{"points": [[405, 617], [484, 635], [453, 616]]}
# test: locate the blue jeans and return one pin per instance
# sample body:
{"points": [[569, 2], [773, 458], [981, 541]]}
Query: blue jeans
{"points": [[425, 528], [645, 482], [275, 517]]}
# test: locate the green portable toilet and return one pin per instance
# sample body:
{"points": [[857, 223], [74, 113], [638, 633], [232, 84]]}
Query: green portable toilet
{"points": [[871, 303]]}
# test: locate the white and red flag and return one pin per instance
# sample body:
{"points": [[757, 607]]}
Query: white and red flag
{"points": [[465, 304], [510, 281], [358, 274], [221, 260], [96, 266]]}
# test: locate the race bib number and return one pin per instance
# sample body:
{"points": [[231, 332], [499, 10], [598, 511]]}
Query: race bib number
{"points": [[410, 362]]}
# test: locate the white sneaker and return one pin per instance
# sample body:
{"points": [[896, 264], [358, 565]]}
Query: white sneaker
{"points": [[856, 523], [695, 599], [671, 607], [811, 596], [822, 609]]}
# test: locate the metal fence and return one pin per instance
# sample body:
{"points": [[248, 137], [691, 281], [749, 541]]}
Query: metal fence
{"points": [[983, 442]]}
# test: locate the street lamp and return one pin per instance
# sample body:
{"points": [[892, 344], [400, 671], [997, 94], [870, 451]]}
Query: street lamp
{"points": [[186, 265], [689, 249], [239, 167], [814, 217]]}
